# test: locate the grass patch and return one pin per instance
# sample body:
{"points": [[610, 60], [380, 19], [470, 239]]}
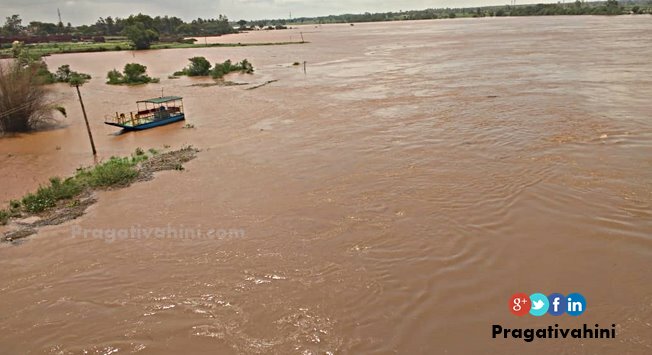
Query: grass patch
{"points": [[47, 196], [12, 211], [4, 217], [113, 172], [63, 200]]}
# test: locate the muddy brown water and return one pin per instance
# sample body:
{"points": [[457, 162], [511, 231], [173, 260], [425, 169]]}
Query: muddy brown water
{"points": [[391, 198]]}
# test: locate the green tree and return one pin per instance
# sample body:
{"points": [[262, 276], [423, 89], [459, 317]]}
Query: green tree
{"points": [[77, 79], [42, 28], [140, 36], [613, 7], [110, 26], [13, 25], [199, 66], [65, 75], [114, 77], [135, 73]]}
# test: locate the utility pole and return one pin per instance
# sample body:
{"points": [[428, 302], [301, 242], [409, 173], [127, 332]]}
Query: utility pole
{"points": [[88, 127]]}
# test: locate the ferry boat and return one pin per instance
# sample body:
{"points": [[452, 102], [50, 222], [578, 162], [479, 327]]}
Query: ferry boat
{"points": [[151, 113]]}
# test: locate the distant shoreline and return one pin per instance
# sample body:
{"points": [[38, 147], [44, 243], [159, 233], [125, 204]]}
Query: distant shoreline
{"points": [[570, 8], [47, 49]]}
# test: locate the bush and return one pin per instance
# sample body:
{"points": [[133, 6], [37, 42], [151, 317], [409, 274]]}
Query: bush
{"points": [[43, 75], [133, 73], [47, 196], [22, 99], [114, 77], [199, 66], [64, 74], [136, 73], [219, 70], [4, 217]]}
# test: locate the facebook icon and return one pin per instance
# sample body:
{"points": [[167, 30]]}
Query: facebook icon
{"points": [[557, 304]]}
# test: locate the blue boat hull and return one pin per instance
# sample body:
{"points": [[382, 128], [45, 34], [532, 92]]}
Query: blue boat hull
{"points": [[171, 119]]}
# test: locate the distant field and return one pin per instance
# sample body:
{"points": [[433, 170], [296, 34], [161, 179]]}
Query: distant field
{"points": [[42, 49], [71, 47]]}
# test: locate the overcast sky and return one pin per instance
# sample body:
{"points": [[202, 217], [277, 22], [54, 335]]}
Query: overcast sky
{"points": [[80, 12]]}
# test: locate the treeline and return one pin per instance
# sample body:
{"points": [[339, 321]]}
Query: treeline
{"points": [[609, 7], [109, 26]]}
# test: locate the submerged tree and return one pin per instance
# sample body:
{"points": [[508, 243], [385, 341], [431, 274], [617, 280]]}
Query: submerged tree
{"points": [[199, 66], [136, 73], [221, 69], [23, 103], [64, 75], [133, 73]]}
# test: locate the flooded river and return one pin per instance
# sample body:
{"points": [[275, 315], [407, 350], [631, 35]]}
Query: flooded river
{"points": [[390, 199]]}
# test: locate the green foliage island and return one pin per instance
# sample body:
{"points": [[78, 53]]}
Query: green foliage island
{"points": [[200, 66], [132, 74]]}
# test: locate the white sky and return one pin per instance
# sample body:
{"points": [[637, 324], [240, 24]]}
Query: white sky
{"points": [[80, 12]]}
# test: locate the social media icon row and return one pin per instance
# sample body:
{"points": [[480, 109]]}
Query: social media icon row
{"points": [[538, 304]]}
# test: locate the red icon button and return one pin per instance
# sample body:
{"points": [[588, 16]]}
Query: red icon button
{"points": [[519, 304]]}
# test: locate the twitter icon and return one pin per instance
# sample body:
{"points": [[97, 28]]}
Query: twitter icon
{"points": [[539, 304]]}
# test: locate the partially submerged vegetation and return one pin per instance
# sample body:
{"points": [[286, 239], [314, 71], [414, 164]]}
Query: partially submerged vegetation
{"points": [[63, 75], [200, 66], [65, 199], [23, 103], [263, 84], [132, 74]]}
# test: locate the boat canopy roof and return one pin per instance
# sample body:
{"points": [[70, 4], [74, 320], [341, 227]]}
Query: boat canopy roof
{"points": [[160, 100]]}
